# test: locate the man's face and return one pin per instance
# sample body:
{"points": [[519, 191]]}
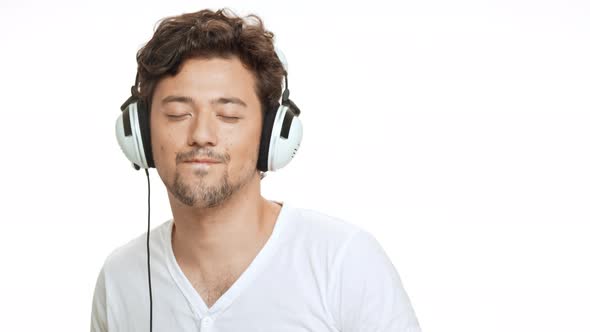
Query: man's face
{"points": [[208, 110]]}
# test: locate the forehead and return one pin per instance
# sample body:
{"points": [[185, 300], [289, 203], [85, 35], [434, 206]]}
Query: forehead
{"points": [[209, 77]]}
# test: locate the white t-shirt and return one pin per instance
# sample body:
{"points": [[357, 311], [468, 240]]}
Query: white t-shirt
{"points": [[315, 273]]}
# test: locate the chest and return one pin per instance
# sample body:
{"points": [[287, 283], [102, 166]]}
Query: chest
{"points": [[212, 283], [212, 287]]}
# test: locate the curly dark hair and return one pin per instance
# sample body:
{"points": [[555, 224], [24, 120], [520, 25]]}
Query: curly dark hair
{"points": [[207, 34]]}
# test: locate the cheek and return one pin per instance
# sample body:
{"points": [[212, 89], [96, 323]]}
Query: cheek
{"points": [[243, 151], [161, 151], [163, 147]]}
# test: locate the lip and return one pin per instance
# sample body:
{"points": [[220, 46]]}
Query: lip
{"points": [[202, 161]]}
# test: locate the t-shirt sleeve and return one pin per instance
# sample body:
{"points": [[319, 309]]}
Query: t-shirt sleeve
{"points": [[366, 293], [98, 319]]}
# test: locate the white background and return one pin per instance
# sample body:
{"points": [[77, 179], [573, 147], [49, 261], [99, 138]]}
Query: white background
{"points": [[457, 132]]}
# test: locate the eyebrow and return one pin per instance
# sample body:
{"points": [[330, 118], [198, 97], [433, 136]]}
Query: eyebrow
{"points": [[189, 100]]}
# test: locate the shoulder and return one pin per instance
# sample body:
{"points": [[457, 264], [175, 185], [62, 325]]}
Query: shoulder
{"points": [[364, 289], [133, 254], [327, 238], [322, 227]]}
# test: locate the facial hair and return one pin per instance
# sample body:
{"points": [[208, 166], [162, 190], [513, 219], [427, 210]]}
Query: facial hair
{"points": [[206, 196]]}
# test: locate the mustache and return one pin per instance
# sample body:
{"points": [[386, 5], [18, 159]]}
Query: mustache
{"points": [[197, 154]]}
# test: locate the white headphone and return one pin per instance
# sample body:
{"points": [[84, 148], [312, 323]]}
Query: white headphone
{"points": [[281, 130]]}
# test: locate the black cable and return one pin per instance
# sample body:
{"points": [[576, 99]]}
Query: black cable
{"points": [[148, 248]]}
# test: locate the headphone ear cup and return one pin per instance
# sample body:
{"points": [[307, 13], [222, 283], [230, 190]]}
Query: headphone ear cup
{"points": [[132, 130], [285, 139], [144, 127], [265, 137]]}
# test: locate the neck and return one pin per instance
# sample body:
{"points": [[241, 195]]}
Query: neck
{"points": [[205, 238]]}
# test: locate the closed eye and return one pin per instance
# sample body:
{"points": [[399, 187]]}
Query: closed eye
{"points": [[230, 117], [173, 116]]}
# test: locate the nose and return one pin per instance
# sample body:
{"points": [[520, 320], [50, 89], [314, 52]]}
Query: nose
{"points": [[203, 130]]}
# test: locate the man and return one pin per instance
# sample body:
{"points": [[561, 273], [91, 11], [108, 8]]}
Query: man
{"points": [[231, 260]]}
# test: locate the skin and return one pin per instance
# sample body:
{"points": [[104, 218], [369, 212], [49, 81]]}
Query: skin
{"points": [[221, 221]]}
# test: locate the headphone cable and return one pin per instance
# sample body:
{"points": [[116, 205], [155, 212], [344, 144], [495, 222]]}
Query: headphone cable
{"points": [[148, 248]]}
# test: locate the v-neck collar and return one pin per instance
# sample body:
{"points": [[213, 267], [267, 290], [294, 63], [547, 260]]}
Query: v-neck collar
{"points": [[196, 302]]}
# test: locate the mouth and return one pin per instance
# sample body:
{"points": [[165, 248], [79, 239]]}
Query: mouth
{"points": [[202, 161], [201, 164]]}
